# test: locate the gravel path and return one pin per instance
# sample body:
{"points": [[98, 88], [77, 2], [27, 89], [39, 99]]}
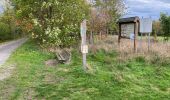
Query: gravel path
{"points": [[5, 51], [7, 48]]}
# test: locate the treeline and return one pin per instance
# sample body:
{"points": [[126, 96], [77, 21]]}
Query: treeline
{"points": [[57, 22], [165, 25], [162, 27], [8, 27]]}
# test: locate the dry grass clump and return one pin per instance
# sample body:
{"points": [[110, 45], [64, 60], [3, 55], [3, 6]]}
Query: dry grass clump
{"points": [[107, 44], [126, 48]]}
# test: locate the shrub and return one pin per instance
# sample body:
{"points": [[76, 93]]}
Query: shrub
{"points": [[140, 59], [4, 32], [52, 22]]}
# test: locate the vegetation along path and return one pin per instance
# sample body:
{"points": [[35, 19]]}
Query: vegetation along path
{"points": [[5, 51]]}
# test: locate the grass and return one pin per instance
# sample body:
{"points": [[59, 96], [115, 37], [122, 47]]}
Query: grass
{"points": [[109, 78]]}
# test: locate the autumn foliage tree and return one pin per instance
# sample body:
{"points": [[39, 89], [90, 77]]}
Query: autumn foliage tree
{"points": [[156, 29], [104, 15], [52, 22]]}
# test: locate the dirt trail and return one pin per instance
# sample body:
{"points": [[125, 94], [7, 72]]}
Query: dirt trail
{"points": [[5, 51]]}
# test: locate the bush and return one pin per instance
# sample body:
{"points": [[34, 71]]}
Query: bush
{"points": [[58, 22], [4, 32], [140, 59]]}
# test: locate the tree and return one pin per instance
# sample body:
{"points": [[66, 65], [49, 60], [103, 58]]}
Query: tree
{"points": [[165, 25], [104, 15], [7, 20], [156, 29], [52, 22]]}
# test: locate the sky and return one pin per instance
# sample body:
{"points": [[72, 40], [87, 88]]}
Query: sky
{"points": [[1, 9], [141, 8], [147, 8], [1, 5]]}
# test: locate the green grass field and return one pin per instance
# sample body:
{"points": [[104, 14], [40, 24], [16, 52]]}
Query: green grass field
{"points": [[135, 79]]}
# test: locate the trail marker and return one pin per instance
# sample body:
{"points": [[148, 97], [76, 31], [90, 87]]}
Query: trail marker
{"points": [[84, 47]]}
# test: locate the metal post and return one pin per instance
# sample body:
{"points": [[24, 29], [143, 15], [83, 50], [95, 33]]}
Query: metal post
{"points": [[149, 42]]}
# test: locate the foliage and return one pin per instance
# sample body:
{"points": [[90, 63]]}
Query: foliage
{"points": [[132, 79], [104, 14], [52, 22], [156, 29], [4, 32], [165, 23], [7, 24]]}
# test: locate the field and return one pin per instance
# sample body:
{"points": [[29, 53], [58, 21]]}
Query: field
{"points": [[115, 73]]}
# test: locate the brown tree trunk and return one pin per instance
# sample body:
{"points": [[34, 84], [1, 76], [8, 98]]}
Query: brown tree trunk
{"points": [[100, 35], [91, 38]]}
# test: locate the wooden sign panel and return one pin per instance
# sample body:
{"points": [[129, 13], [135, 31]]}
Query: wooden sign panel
{"points": [[127, 29]]}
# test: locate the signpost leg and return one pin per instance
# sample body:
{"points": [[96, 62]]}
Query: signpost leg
{"points": [[135, 37], [141, 42], [119, 37], [149, 42]]}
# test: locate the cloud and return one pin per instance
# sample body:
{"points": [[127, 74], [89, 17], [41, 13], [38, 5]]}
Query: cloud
{"points": [[166, 1], [147, 8]]}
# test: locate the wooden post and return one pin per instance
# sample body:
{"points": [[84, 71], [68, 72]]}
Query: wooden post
{"points": [[135, 36], [141, 42], [119, 36]]}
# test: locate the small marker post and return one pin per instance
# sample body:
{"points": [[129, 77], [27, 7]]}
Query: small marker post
{"points": [[84, 47]]}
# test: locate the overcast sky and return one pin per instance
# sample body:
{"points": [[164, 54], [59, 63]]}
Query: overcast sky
{"points": [[147, 8], [1, 5]]}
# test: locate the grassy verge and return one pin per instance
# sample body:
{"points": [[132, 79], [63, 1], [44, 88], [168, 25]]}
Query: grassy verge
{"points": [[110, 79]]}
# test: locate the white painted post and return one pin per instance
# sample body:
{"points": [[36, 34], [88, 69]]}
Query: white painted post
{"points": [[84, 47]]}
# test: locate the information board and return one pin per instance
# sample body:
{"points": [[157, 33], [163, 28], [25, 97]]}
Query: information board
{"points": [[127, 29], [146, 25]]}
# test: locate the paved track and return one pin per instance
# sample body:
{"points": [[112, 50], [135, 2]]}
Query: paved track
{"points": [[7, 48]]}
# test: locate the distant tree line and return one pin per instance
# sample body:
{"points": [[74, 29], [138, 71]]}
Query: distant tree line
{"points": [[165, 25], [8, 25]]}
